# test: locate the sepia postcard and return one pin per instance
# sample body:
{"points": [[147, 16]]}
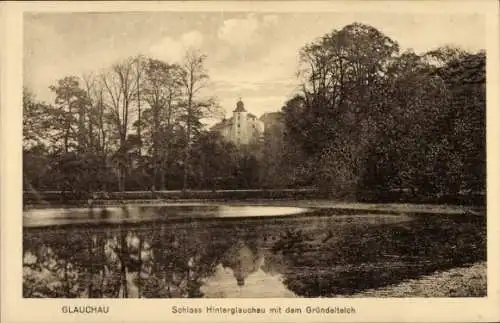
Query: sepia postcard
{"points": [[250, 161]]}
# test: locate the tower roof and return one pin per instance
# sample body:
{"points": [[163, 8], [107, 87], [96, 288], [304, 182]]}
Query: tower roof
{"points": [[240, 107]]}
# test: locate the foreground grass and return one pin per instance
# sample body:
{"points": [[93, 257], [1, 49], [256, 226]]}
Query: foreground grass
{"points": [[457, 282]]}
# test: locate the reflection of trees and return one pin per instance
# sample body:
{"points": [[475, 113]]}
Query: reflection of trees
{"points": [[54, 272], [174, 260], [354, 257], [145, 261], [152, 261]]}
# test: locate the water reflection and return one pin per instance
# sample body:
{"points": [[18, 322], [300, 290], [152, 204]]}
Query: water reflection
{"points": [[322, 255], [142, 213]]}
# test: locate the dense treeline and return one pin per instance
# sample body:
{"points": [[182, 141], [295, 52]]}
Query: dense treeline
{"points": [[368, 119], [135, 126]]}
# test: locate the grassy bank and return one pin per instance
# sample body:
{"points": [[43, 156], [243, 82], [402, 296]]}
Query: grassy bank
{"points": [[469, 281], [106, 198], [70, 198]]}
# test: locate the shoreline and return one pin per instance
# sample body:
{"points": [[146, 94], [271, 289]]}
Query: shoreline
{"points": [[463, 281], [402, 207]]}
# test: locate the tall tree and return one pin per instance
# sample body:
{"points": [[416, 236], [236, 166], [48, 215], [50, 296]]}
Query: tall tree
{"points": [[213, 160], [70, 113], [163, 88], [465, 122], [98, 123], [196, 106], [412, 99], [342, 77], [140, 63], [36, 121], [120, 86]]}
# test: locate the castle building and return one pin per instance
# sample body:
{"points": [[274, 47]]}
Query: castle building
{"points": [[242, 128]]}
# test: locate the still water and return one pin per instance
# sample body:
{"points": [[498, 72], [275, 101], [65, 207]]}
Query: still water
{"points": [[235, 251]]}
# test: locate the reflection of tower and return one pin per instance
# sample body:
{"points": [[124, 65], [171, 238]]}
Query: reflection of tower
{"points": [[243, 262]]}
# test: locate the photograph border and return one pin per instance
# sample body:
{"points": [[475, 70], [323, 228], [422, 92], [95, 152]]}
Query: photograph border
{"points": [[15, 308]]}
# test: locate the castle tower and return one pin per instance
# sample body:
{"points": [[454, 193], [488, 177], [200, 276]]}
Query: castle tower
{"points": [[239, 132]]}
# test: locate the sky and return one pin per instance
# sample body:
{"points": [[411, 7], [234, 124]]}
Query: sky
{"points": [[252, 55]]}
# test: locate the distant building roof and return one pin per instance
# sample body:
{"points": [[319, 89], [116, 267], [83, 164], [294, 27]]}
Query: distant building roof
{"points": [[251, 115], [272, 116], [217, 127], [240, 107], [223, 123]]}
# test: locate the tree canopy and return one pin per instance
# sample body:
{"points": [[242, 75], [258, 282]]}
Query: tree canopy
{"points": [[368, 119]]}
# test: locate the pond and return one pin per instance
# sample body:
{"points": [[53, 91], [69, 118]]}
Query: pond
{"points": [[220, 251], [155, 213]]}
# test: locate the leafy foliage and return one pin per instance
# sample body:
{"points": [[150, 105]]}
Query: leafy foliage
{"points": [[371, 119], [368, 119]]}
